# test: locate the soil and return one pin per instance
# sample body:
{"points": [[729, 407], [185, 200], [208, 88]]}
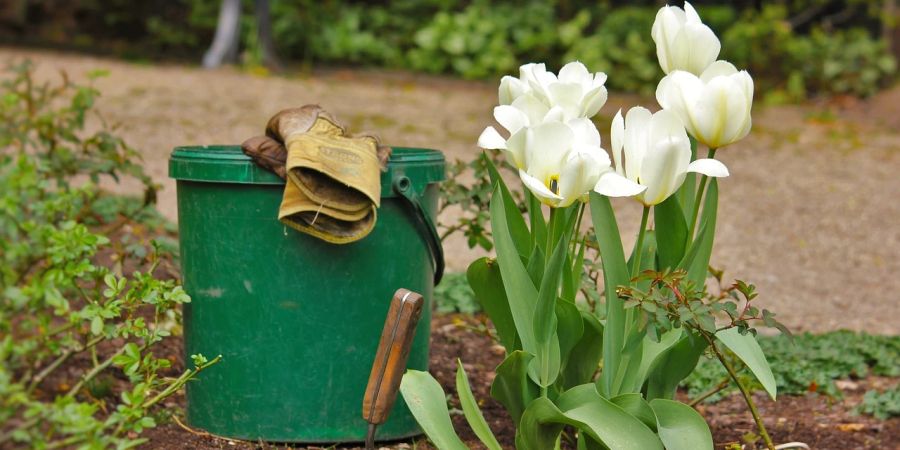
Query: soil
{"points": [[809, 213], [821, 423]]}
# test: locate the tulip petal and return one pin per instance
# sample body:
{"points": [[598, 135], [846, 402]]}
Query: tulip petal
{"points": [[663, 170], [585, 131], [534, 109], [542, 192], [695, 47], [579, 174], [617, 135], [491, 139], [612, 184], [510, 89], [510, 118], [568, 96], [636, 139], [574, 72], [709, 167], [546, 146], [593, 101], [718, 68], [515, 146]]}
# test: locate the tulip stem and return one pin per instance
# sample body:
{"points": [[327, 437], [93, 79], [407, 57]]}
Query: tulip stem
{"points": [[639, 248], [697, 199]]}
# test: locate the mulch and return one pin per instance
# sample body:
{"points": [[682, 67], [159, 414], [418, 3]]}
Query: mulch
{"points": [[820, 422]]}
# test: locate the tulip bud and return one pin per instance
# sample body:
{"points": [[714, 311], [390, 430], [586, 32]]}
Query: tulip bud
{"points": [[683, 42]]}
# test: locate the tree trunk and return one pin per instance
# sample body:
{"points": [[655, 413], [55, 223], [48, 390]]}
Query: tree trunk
{"points": [[264, 29], [224, 48]]}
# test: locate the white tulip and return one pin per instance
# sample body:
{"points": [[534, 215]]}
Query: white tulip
{"points": [[562, 161], [653, 151], [575, 92], [683, 42], [714, 107]]}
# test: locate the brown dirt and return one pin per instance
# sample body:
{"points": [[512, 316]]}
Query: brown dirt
{"points": [[809, 214], [811, 419]]}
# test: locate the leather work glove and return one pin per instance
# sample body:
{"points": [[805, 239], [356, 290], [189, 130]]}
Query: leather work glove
{"points": [[333, 180]]}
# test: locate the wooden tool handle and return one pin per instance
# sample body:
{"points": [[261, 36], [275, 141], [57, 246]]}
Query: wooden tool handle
{"points": [[390, 359]]}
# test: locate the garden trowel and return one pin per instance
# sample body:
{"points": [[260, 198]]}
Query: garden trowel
{"points": [[390, 359]]}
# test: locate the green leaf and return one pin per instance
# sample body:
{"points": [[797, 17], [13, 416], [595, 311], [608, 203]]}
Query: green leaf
{"points": [[652, 351], [569, 329], [699, 264], [584, 408], [471, 410], [680, 426], [536, 218], [428, 404], [487, 284], [588, 352], [747, 349], [671, 232], [515, 222], [674, 365], [520, 291], [544, 319], [634, 404], [535, 266], [512, 387], [615, 273]]}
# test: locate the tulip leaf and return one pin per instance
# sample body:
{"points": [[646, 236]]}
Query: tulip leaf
{"points": [[515, 222], [569, 329], [748, 350], [615, 273], [472, 411], [536, 265], [652, 350], [544, 312], [674, 365], [584, 408], [671, 232], [487, 284], [681, 427], [699, 265], [688, 189], [536, 218], [512, 387], [520, 291], [633, 403], [587, 353], [428, 404]]}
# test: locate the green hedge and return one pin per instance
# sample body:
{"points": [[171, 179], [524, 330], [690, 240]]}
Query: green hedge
{"points": [[786, 48]]}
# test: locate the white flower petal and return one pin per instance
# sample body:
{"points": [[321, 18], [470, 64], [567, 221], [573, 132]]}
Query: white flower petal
{"points": [[510, 89], [546, 147], [616, 139], [663, 170], [593, 101], [491, 139], [579, 174], [709, 167], [574, 72], [612, 184], [510, 118], [542, 192]]}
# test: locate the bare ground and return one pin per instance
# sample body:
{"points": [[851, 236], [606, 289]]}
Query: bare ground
{"points": [[810, 213]]}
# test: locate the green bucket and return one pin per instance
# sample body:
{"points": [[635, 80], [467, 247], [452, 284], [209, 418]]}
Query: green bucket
{"points": [[296, 320]]}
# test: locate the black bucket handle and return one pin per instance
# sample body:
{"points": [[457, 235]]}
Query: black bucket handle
{"points": [[404, 188]]}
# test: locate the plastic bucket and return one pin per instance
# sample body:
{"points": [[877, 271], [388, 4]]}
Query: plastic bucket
{"points": [[296, 319]]}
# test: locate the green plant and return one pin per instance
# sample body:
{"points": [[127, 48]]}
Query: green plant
{"points": [[77, 301], [882, 405], [810, 363], [455, 295], [483, 39], [617, 45]]}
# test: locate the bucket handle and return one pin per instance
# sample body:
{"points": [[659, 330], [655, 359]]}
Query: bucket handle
{"points": [[404, 188]]}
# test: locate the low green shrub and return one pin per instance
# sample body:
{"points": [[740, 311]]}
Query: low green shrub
{"points": [[85, 298]]}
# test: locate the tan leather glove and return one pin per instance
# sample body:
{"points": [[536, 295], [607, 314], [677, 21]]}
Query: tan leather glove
{"points": [[333, 186]]}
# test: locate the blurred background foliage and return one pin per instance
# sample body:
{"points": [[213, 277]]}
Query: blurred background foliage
{"points": [[793, 48]]}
